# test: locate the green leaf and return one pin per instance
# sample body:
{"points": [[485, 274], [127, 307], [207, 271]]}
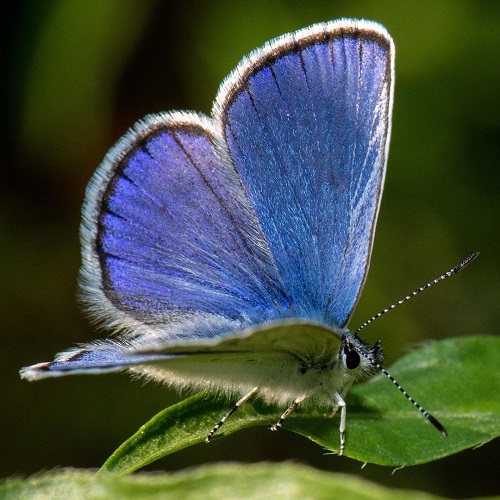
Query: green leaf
{"points": [[457, 380], [277, 481]]}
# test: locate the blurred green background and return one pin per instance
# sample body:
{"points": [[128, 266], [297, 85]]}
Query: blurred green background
{"points": [[76, 74]]}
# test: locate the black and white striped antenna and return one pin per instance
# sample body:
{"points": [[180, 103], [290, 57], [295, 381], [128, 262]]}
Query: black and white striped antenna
{"points": [[434, 421], [449, 273]]}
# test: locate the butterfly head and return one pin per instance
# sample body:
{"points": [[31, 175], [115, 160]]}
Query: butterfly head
{"points": [[358, 358]]}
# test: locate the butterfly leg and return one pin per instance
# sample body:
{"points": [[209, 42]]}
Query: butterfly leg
{"points": [[343, 412], [345, 390], [289, 410], [343, 415], [229, 413]]}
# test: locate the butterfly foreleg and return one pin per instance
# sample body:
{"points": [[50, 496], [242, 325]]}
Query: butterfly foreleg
{"points": [[340, 403], [343, 414]]}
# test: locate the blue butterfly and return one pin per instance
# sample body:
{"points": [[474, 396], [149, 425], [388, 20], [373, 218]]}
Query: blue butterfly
{"points": [[229, 252]]}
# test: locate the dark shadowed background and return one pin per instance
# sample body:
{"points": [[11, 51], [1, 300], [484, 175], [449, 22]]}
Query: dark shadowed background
{"points": [[76, 74]]}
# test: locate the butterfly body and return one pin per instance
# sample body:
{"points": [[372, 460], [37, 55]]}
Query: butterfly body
{"points": [[284, 360]]}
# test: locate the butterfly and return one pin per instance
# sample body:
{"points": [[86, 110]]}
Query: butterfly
{"points": [[227, 253]]}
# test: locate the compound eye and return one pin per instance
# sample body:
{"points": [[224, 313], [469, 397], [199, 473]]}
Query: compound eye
{"points": [[352, 359]]}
